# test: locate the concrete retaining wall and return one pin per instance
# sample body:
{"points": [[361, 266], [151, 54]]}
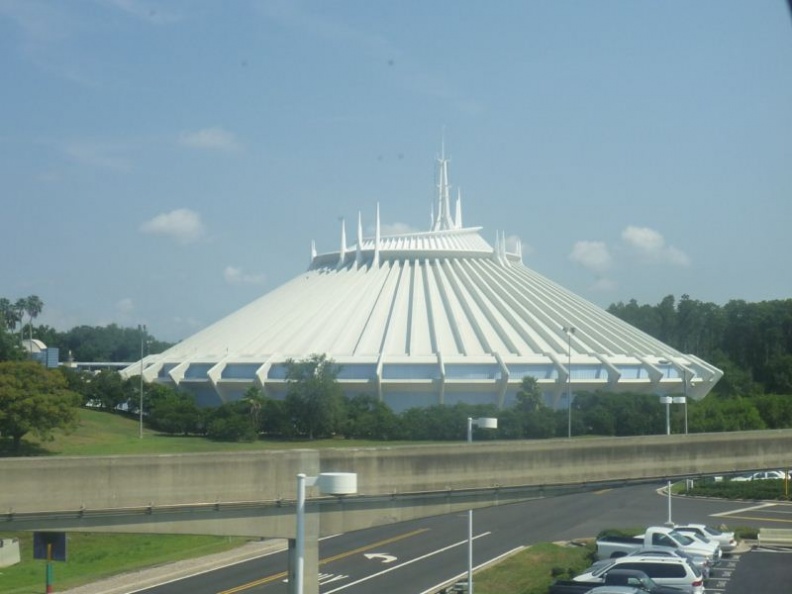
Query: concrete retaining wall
{"points": [[112, 482]]}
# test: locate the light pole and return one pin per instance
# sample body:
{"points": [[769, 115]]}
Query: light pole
{"points": [[484, 423], [668, 401], [329, 483], [142, 330], [569, 331]]}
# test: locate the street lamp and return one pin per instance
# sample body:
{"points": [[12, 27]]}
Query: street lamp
{"points": [[484, 423], [142, 330], [329, 483], [668, 401], [569, 331]]}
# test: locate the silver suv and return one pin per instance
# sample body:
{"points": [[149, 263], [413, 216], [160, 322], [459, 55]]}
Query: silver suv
{"points": [[667, 571]]}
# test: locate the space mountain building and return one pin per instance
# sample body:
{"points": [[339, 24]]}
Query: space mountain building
{"points": [[423, 318]]}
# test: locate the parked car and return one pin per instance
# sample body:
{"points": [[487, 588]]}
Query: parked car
{"points": [[666, 571], [656, 537], [617, 590], [726, 540], [762, 475], [700, 561], [615, 578]]}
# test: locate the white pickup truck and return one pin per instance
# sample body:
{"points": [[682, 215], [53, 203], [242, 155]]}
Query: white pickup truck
{"points": [[657, 537]]}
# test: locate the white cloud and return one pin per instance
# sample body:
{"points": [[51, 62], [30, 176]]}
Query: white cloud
{"points": [[182, 225], [512, 241], [651, 245], [396, 229], [235, 276], [103, 156], [216, 139], [592, 255], [142, 10], [125, 306], [604, 285]]}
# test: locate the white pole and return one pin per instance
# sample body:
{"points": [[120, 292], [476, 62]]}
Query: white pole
{"points": [[670, 521], [470, 430], [140, 411], [569, 330], [470, 551], [299, 537], [668, 416]]}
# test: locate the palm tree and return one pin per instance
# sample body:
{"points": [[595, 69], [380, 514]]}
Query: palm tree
{"points": [[255, 398], [32, 306], [9, 316]]}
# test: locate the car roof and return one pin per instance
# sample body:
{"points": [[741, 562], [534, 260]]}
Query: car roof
{"points": [[615, 590], [648, 559]]}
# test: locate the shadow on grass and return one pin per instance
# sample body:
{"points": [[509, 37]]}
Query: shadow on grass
{"points": [[25, 449]]}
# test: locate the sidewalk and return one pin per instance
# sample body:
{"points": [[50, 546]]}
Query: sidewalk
{"points": [[146, 578]]}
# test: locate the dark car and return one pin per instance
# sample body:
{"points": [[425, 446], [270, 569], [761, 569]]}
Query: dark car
{"points": [[628, 578]]}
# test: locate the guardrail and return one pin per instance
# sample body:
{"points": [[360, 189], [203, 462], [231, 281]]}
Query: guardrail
{"points": [[776, 537]]}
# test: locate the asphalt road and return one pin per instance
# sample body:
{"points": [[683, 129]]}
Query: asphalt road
{"points": [[416, 557]]}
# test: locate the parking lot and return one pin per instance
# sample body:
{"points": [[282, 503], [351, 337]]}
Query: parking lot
{"points": [[753, 571]]}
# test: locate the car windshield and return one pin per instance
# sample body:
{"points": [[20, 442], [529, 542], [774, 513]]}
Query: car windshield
{"points": [[598, 571], [682, 538], [712, 531]]}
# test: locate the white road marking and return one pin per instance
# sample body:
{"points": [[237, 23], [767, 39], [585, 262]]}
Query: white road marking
{"points": [[410, 562]]}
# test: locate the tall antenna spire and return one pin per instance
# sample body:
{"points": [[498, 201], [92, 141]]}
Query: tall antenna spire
{"points": [[443, 219]]}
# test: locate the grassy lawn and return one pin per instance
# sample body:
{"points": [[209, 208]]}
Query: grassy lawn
{"points": [[531, 571], [102, 433], [94, 556]]}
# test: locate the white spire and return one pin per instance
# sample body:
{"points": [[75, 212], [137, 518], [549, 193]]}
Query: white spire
{"points": [[375, 262], [443, 219], [342, 252], [359, 248], [458, 210], [313, 250]]}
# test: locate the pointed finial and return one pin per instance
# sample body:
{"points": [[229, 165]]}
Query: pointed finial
{"points": [[458, 210], [342, 251], [359, 248], [375, 262]]}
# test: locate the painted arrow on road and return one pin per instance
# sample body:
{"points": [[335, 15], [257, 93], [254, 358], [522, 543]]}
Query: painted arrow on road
{"points": [[384, 556]]}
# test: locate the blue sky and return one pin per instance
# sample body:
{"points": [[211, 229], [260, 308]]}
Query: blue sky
{"points": [[168, 162]]}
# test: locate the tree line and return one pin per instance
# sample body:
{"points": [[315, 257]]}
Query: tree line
{"points": [[751, 342]]}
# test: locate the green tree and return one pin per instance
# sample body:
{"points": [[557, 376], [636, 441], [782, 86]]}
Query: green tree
{"points": [[175, 412], [32, 306], [108, 391], [534, 419], [314, 399], [368, 418], [231, 422], [256, 401], [34, 399]]}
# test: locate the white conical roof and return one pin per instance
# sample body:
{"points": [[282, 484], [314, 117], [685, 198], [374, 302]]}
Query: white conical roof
{"points": [[422, 318]]}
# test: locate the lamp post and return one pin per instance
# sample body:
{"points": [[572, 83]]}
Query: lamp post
{"points": [[142, 330], [569, 331], [329, 483], [668, 401], [484, 423]]}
